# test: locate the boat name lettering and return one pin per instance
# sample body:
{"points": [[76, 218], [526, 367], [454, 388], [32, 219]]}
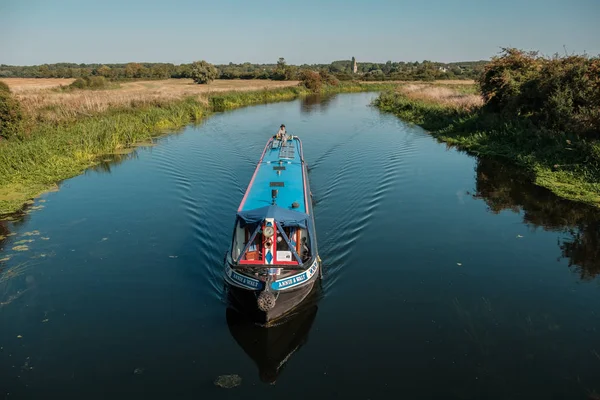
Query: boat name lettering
{"points": [[295, 279], [245, 281]]}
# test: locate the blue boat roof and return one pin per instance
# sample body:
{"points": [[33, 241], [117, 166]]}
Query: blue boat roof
{"points": [[279, 168]]}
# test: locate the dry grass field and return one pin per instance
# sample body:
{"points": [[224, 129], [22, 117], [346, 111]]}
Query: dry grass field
{"points": [[41, 100], [442, 95], [43, 103], [20, 85]]}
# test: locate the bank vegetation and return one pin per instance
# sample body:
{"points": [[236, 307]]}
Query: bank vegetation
{"points": [[51, 134], [541, 113]]}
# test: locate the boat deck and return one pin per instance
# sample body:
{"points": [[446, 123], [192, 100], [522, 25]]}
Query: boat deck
{"points": [[280, 168]]}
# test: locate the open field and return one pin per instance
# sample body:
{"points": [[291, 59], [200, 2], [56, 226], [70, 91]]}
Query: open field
{"points": [[53, 105], [19, 85]]}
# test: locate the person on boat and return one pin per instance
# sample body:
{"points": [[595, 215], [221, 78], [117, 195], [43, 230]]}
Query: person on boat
{"points": [[281, 132], [282, 135]]}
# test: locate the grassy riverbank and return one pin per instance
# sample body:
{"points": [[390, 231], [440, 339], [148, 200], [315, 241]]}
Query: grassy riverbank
{"points": [[565, 163], [65, 133]]}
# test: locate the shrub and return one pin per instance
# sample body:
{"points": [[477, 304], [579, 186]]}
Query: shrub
{"points": [[4, 87], [89, 82], [311, 80], [78, 83], [342, 76], [10, 115], [96, 82], [375, 75], [568, 94], [328, 79], [559, 93], [504, 76], [203, 72]]}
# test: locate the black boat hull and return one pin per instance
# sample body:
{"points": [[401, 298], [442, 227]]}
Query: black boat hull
{"points": [[286, 302]]}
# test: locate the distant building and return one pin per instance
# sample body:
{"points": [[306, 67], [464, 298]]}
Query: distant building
{"points": [[354, 66], [443, 69]]}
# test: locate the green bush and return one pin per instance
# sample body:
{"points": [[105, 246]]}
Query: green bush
{"points": [[342, 76], [10, 115], [78, 83], [559, 93], [203, 72], [4, 87], [311, 80], [328, 78], [97, 82], [90, 82]]}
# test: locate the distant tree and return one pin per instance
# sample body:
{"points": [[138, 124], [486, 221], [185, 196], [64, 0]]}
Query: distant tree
{"points": [[160, 71], [182, 71], [280, 70], [281, 64], [133, 70], [387, 68], [203, 72], [45, 71], [290, 73], [104, 71]]}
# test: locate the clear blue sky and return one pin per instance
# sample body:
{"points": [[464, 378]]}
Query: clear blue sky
{"points": [[308, 31]]}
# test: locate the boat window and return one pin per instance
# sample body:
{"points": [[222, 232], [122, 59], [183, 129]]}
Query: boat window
{"points": [[284, 252], [254, 252], [240, 239]]}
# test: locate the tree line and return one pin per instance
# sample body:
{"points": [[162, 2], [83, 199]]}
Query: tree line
{"points": [[281, 70]]}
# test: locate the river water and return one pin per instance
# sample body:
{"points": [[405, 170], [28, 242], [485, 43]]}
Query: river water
{"points": [[445, 276]]}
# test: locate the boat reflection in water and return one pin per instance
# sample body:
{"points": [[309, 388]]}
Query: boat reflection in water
{"points": [[271, 346]]}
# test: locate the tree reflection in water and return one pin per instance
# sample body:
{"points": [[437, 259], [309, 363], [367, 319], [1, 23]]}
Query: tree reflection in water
{"points": [[504, 187], [316, 103]]}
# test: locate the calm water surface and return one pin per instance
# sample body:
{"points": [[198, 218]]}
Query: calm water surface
{"points": [[446, 277]]}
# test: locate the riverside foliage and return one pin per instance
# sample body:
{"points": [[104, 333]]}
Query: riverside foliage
{"points": [[10, 113], [541, 113]]}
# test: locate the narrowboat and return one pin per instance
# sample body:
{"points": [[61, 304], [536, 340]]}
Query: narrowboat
{"points": [[273, 262]]}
